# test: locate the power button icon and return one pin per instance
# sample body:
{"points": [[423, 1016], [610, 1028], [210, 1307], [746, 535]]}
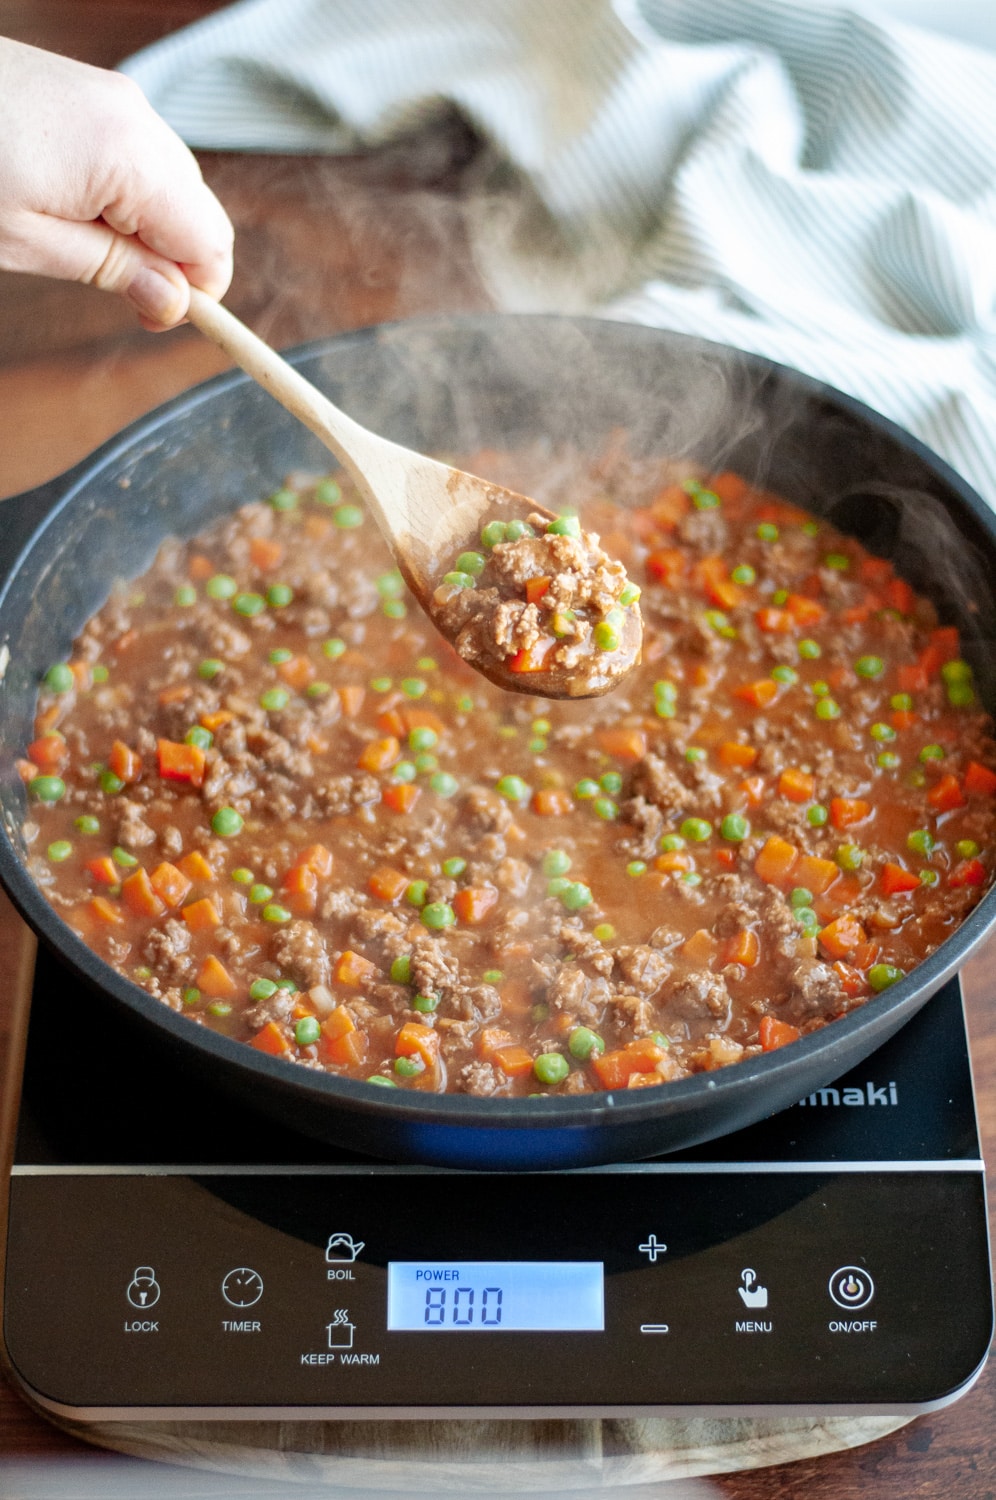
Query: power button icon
{"points": [[851, 1286]]}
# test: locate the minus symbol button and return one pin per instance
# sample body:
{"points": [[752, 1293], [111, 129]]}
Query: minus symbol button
{"points": [[654, 1328]]}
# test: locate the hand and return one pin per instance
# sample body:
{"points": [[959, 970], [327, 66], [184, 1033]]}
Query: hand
{"points": [[95, 187]]}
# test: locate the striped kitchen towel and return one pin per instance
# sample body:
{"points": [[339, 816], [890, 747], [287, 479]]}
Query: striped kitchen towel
{"points": [[815, 183]]}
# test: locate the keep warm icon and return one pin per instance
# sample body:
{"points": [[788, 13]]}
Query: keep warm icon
{"points": [[340, 1331], [751, 1294]]}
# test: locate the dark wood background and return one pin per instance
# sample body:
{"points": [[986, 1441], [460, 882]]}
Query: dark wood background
{"points": [[325, 245]]}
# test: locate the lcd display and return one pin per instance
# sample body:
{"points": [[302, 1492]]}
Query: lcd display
{"points": [[488, 1296]]}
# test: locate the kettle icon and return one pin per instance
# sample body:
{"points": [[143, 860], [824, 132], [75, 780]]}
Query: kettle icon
{"points": [[143, 1289], [342, 1247]]}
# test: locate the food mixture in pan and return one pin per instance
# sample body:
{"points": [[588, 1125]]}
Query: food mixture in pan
{"points": [[266, 791], [541, 608]]}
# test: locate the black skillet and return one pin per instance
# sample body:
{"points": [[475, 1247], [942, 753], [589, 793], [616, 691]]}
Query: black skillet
{"points": [[450, 386]]}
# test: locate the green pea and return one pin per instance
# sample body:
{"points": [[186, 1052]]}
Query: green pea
{"points": [[966, 848], [582, 1042], [425, 1004], [423, 739], [416, 892], [260, 894], [901, 702], [284, 499], [401, 969], [586, 788], [931, 752], [492, 533], [274, 699], [807, 919], [670, 842], [199, 736], [318, 689], [869, 666], [702, 498], [551, 1067], [696, 830], [744, 573], [850, 857], [87, 823], [221, 586], [565, 526], [513, 788], [48, 788], [226, 822], [882, 732], [838, 561], [424, 764], [242, 876], [606, 809], [516, 530], [391, 585], [123, 857], [929, 877], [348, 517], [191, 996], [275, 913], [327, 492], [444, 785], [767, 532], [287, 984], [690, 877], [826, 708], [606, 637], [454, 867], [611, 782], [333, 648], [780, 597], [100, 673], [734, 828], [784, 674], [471, 562], [881, 976], [493, 976], [630, 594], [438, 915], [59, 850], [409, 1067], [956, 671], [413, 687], [380, 684], [405, 770], [636, 867], [427, 664], [185, 596], [458, 580], [210, 668], [695, 755], [576, 896], [109, 782], [537, 746], [888, 760], [809, 650], [961, 694], [465, 703], [556, 862], [307, 1031], [248, 605], [386, 1083], [557, 885], [605, 932], [59, 678], [799, 896], [819, 689], [279, 594]]}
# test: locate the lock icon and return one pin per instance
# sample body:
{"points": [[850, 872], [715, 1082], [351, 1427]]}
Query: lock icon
{"points": [[143, 1289]]}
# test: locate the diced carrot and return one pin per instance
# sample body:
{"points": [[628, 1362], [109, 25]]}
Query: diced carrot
{"points": [[352, 968], [845, 812], [736, 753], [170, 883], [673, 861], [106, 911], [124, 761], [297, 672], [815, 874], [796, 785], [216, 720], [124, 642], [316, 857], [911, 677], [536, 588], [667, 565], [614, 1069], [195, 866], [26, 769], [48, 718], [903, 718], [803, 610], [899, 596], [947, 639], [724, 857], [875, 570], [271, 1039], [532, 658], [714, 576], [391, 722], [140, 896], [181, 762], [200, 568], [865, 954], [775, 509], [265, 553], [728, 486], [414, 1039], [969, 872], [773, 1033], [379, 755], [215, 980], [842, 936], [348, 1050], [178, 692], [202, 915], [351, 697], [623, 743], [104, 869], [514, 1061], [893, 880], [423, 718], [473, 903], [774, 621], [946, 795], [743, 948], [852, 981], [387, 884], [760, 693], [300, 889], [48, 752], [491, 1038], [401, 796], [552, 802], [776, 860], [753, 789], [979, 780], [700, 948], [855, 614], [339, 1023]]}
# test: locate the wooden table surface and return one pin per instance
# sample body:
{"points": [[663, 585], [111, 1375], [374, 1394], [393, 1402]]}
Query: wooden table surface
{"points": [[323, 246]]}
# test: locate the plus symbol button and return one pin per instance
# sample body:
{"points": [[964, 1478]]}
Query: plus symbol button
{"points": [[652, 1248]]}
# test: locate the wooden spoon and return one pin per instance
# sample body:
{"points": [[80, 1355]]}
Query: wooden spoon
{"points": [[427, 511]]}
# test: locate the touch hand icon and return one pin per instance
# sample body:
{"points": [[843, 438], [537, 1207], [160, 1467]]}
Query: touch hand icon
{"points": [[751, 1294]]}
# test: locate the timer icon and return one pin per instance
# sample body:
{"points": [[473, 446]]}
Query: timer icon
{"points": [[242, 1287]]}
